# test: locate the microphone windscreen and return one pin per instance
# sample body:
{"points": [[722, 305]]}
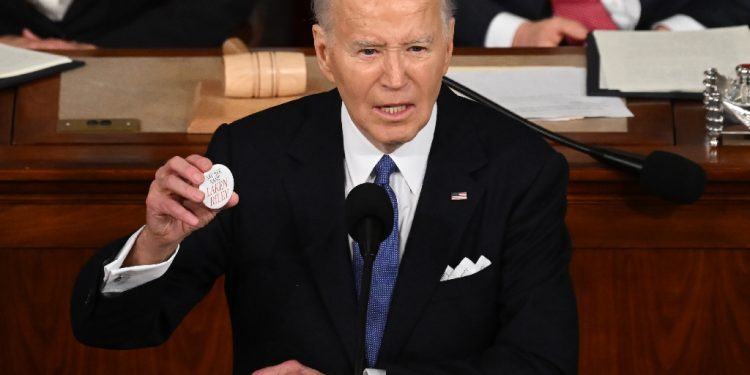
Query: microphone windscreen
{"points": [[368, 201], [673, 177]]}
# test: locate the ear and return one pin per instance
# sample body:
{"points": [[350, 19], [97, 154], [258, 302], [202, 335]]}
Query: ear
{"points": [[322, 50], [449, 46]]}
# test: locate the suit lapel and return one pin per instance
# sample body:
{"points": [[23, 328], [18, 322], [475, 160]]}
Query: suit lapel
{"points": [[316, 193], [438, 224]]}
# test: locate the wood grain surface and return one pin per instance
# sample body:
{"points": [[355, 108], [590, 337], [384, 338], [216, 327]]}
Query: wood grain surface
{"points": [[35, 328], [7, 100]]}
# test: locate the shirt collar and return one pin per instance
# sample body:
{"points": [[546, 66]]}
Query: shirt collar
{"points": [[410, 158]]}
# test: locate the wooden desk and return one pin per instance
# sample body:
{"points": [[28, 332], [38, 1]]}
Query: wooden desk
{"points": [[661, 288]]}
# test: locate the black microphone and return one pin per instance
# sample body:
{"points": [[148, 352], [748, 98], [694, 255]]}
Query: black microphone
{"points": [[667, 175], [369, 220]]}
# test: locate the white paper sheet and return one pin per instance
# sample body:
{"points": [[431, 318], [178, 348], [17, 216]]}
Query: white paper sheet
{"points": [[550, 93], [17, 61], [651, 61]]}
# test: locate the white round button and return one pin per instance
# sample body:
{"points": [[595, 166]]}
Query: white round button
{"points": [[217, 186]]}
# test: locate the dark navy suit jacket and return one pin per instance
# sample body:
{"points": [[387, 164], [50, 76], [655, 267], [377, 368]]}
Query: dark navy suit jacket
{"points": [[289, 280], [133, 23], [473, 16]]}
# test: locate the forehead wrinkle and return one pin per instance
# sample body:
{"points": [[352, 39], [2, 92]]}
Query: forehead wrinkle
{"points": [[350, 13], [363, 33]]}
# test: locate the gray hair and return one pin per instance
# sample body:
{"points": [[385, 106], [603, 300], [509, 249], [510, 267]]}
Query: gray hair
{"points": [[322, 11]]}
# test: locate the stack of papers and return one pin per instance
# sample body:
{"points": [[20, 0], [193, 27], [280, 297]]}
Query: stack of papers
{"points": [[549, 93], [18, 65], [663, 62]]}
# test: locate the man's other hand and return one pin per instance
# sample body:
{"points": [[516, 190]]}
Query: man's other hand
{"points": [[290, 367], [174, 209], [548, 32]]}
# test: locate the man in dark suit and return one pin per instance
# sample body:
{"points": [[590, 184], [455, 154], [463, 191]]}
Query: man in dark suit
{"points": [[471, 186], [121, 24], [532, 23]]}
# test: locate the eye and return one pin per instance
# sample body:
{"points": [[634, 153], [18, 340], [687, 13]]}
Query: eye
{"points": [[368, 51], [417, 49]]}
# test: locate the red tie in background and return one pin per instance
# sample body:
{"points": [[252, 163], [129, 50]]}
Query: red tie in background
{"points": [[591, 13]]}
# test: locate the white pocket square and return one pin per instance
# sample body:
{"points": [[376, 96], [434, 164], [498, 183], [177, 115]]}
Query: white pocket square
{"points": [[465, 268]]}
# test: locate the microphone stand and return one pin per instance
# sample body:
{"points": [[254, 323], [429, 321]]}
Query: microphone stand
{"points": [[618, 159], [369, 250], [664, 174]]}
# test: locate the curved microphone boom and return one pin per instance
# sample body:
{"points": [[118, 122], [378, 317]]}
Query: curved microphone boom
{"points": [[667, 175], [369, 220]]}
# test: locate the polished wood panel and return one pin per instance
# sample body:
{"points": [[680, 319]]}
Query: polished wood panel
{"points": [[652, 125], [689, 122], [71, 224], [643, 222], [90, 163], [37, 339], [640, 311], [663, 311], [7, 100], [37, 111]]}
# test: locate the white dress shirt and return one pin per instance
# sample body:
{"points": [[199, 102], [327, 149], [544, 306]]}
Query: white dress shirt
{"points": [[411, 162], [624, 13], [53, 9]]}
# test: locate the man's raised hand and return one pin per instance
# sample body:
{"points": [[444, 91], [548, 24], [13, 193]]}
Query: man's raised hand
{"points": [[174, 209]]}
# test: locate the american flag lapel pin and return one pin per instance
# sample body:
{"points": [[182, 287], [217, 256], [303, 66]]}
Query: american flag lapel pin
{"points": [[459, 196]]}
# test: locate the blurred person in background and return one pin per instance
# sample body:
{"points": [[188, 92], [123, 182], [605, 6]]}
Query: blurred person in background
{"points": [[82, 24], [550, 23]]}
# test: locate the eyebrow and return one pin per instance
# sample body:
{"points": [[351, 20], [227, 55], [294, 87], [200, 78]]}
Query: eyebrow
{"points": [[422, 40], [360, 44]]}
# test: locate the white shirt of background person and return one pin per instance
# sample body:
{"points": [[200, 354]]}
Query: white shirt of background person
{"points": [[53, 9]]}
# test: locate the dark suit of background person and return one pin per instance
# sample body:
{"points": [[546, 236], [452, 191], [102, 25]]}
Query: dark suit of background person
{"points": [[473, 17], [289, 281], [133, 23]]}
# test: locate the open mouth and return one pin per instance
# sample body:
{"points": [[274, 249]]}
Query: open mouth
{"points": [[395, 110]]}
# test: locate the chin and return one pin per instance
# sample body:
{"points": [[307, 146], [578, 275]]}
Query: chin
{"points": [[398, 141]]}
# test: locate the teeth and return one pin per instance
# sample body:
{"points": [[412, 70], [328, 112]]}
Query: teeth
{"points": [[394, 109]]}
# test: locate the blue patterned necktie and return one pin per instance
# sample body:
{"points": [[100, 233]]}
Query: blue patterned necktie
{"points": [[384, 269]]}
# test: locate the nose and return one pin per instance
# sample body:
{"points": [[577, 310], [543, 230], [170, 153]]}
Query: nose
{"points": [[394, 71]]}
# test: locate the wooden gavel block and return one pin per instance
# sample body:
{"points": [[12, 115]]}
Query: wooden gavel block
{"points": [[264, 74]]}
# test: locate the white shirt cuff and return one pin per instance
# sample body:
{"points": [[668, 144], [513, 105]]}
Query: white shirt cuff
{"points": [[680, 22], [118, 280], [373, 371], [502, 29]]}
